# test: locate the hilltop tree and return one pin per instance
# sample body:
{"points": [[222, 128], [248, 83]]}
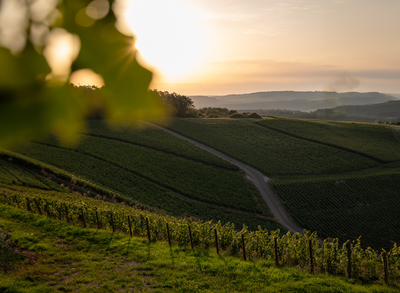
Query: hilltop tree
{"points": [[178, 105]]}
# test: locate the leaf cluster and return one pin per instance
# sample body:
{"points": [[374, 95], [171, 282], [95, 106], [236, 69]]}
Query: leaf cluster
{"points": [[35, 100]]}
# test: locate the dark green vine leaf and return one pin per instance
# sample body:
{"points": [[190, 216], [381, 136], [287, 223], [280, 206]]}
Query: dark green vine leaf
{"points": [[30, 108]]}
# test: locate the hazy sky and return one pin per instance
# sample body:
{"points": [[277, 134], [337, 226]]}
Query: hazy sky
{"points": [[241, 46]]}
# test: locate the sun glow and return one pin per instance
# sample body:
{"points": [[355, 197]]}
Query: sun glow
{"points": [[168, 35]]}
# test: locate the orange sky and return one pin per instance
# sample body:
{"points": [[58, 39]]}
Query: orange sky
{"points": [[222, 47]]}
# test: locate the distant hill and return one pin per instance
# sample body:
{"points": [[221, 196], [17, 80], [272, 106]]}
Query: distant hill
{"points": [[389, 110], [291, 100]]}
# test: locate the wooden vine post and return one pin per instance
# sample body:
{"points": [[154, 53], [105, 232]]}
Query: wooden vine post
{"points": [[169, 236], [46, 208], [97, 219], [311, 256], [216, 240], [190, 236], [66, 213], [348, 246], [112, 222], [148, 229], [38, 206], [257, 247], [28, 205], [83, 218], [130, 226], [276, 252], [244, 248], [385, 266], [18, 203]]}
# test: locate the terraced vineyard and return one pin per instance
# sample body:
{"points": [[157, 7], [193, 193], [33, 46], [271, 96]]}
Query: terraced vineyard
{"points": [[206, 188], [377, 141], [269, 151]]}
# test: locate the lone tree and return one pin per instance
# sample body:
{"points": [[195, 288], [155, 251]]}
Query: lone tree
{"points": [[179, 105]]}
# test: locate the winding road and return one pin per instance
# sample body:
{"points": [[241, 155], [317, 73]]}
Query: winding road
{"points": [[258, 179]]}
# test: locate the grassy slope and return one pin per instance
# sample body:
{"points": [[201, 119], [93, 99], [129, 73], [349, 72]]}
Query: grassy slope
{"points": [[64, 258], [269, 151]]}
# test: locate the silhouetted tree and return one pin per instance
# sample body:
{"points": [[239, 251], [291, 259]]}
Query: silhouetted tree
{"points": [[179, 105]]}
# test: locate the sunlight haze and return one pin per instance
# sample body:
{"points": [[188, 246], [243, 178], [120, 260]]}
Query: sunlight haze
{"points": [[204, 47], [252, 45]]}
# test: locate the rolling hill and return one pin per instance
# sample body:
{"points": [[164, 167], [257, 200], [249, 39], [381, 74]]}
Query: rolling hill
{"points": [[384, 111], [290, 100]]}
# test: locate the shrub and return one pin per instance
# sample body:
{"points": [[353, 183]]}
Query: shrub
{"points": [[254, 115], [236, 115]]}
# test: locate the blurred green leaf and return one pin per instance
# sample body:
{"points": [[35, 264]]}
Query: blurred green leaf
{"points": [[23, 70], [30, 108]]}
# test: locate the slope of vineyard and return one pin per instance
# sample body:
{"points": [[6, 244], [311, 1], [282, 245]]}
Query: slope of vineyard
{"points": [[374, 140], [269, 151], [362, 204], [177, 174], [178, 185], [143, 134], [157, 170], [346, 206]]}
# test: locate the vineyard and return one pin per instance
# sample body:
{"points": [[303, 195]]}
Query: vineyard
{"points": [[343, 188], [180, 175], [346, 206], [156, 180], [286, 250], [361, 203], [269, 151], [374, 140], [143, 134]]}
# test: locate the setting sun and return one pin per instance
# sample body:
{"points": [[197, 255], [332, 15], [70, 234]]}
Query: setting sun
{"points": [[169, 37]]}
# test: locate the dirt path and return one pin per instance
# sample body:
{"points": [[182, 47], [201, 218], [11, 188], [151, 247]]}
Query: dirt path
{"points": [[258, 179]]}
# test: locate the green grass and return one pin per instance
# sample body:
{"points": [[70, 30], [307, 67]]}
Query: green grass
{"points": [[269, 151], [63, 258], [373, 140], [346, 206]]}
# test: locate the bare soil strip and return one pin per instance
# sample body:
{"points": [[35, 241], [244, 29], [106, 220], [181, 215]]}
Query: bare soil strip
{"points": [[258, 179]]}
